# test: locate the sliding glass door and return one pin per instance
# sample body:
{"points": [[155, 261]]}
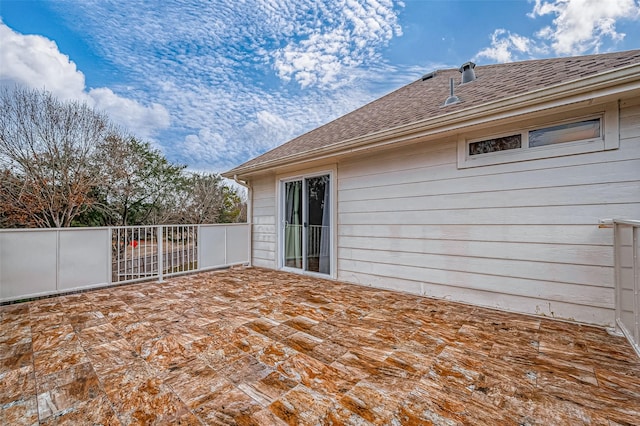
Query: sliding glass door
{"points": [[307, 224]]}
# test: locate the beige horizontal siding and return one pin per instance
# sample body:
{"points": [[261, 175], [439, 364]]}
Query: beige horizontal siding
{"points": [[264, 222], [546, 234], [553, 215], [545, 253], [418, 161], [449, 180], [509, 302], [564, 292], [615, 192], [520, 236], [592, 275]]}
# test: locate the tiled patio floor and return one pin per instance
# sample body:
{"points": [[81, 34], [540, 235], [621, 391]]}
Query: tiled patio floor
{"points": [[252, 346]]}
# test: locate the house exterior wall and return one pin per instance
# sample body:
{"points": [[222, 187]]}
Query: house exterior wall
{"points": [[519, 236]]}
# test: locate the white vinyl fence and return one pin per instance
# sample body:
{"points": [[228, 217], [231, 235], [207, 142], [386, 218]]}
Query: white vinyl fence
{"points": [[40, 262]]}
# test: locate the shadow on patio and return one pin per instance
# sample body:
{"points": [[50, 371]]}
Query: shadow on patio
{"points": [[254, 346]]}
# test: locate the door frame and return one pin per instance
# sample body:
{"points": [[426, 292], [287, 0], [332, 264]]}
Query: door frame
{"points": [[280, 202]]}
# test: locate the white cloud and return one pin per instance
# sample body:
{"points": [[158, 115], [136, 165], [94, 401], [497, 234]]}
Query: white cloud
{"points": [[507, 47], [34, 61], [577, 27], [145, 121], [205, 144], [270, 120], [346, 35], [582, 25], [221, 70], [318, 60]]}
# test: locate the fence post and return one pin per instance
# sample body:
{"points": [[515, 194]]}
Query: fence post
{"points": [[57, 259], [617, 253], [636, 285], [110, 256], [159, 241], [197, 247]]}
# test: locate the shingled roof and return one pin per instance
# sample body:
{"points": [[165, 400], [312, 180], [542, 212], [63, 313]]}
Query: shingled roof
{"points": [[423, 100]]}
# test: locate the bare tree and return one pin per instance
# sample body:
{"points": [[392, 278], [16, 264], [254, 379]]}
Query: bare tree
{"points": [[47, 150], [203, 198]]}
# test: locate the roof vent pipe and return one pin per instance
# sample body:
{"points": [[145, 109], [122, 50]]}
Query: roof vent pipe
{"points": [[468, 74], [452, 99]]}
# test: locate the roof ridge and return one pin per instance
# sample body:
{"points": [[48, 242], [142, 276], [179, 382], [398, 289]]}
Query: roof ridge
{"points": [[422, 100], [537, 60]]}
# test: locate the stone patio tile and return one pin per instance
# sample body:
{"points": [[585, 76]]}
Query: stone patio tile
{"points": [[59, 357], [20, 412], [267, 390], [52, 337], [316, 375], [229, 407], [98, 334], [64, 390], [303, 406], [196, 383], [17, 385], [147, 402], [94, 411], [251, 346]]}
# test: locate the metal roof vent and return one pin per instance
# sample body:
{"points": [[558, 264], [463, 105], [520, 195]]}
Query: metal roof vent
{"points": [[468, 74], [452, 99], [429, 75]]}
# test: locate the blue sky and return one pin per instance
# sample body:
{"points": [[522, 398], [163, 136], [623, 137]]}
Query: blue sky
{"points": [[213, 84]]}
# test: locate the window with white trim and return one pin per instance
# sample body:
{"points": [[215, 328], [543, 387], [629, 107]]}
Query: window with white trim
{"points": [[547, 139]]}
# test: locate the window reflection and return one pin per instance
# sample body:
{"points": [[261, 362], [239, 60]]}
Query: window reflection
{"points": [[570, 132]]}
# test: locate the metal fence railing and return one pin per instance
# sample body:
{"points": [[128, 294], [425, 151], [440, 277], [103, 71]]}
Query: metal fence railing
{"points": [[135, 252], [180, 249], [627, 279], [139, 250]]}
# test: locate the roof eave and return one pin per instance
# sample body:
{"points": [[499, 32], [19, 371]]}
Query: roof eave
{"points": [[600, 85]]}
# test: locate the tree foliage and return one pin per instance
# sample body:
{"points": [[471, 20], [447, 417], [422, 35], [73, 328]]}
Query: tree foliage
{"points": [[136, 181], [64, 164]]}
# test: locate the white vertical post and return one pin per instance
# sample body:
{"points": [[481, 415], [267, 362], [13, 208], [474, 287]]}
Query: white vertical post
{"points": [[148, 234], [197, 247], [617, 253], [139, 257], [110, 257], [250, 223], [159, 239], [131, 252], [173, 239], [636, 286], [58, 259], [119, 250], [182, 247]]}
